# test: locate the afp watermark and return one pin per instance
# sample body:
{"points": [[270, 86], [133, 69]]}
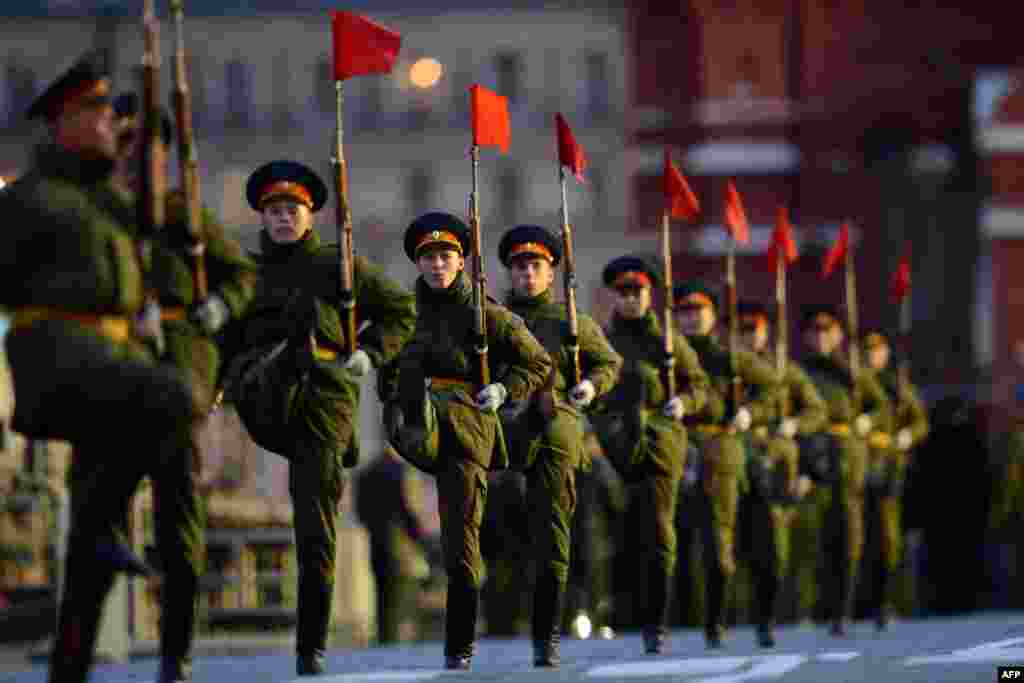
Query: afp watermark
{"points": [[1010, 673]]}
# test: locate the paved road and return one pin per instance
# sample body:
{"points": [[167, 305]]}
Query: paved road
{"points": [[957, 650]]}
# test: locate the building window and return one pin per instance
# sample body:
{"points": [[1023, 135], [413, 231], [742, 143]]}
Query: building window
{"points": [[510, 194], [419, 190], [21, 90], [597, 96], [239, 93], [508, 68]]}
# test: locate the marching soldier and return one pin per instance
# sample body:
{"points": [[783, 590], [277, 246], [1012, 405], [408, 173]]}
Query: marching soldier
{"points": [[294, 389], [838, 456], [189, 327], [889, 456], [719, 439], [546, 440], [449, 426], [775, 480], [641, 430], [76, 292]]}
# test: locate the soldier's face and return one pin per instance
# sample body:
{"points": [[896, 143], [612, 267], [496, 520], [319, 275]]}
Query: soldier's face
{"points": [[286, 221], [89, 130], [824, 338], [696, 320], [531, 275], [878, 357], [754, 336], [633, 302], [439, 266]]}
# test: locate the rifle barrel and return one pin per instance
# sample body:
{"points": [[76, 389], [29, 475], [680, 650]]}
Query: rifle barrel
{"points": [[573, 340], [669, 344], [343, 222], [479, 279]]}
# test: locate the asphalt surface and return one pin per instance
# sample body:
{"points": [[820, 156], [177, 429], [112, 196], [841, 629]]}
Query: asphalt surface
{"points": [[935, 650]]}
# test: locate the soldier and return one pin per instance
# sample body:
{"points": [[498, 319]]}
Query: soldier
{"points": [[773, 470], [546, 439], [295, 390], [388, 500], [189, 327], [838, 456], [719, 439], [641, 429], [884, 491], [76, 292], [457, 433]]}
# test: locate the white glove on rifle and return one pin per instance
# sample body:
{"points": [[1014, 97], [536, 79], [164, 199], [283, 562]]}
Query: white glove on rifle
{"points": [[358, 363], [674, 408], [147, 325], [904, 439], [491, 397], [787, 429], [582, 394], [862, 425], [742, 420], [803, 486], [211, 314]]}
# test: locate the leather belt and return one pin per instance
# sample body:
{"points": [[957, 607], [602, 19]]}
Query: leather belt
{"points": [[839, 429], [451, 383], [114, 327], [173, 313], [709, 428], [880, 440]]}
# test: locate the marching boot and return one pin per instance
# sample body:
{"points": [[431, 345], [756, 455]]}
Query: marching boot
{"points": [[314, 618], [78, 622], [842, 605], [460, 625], [659, 588], [881, 604], [175, 670], [768, 590], [717, 584], [177, 625], [548, 600], [119, 558]]}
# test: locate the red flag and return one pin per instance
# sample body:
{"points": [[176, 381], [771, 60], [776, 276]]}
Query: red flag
{"points": [[735, 218], [489, 112], [837, 252], [782, 245], [361, 46], [900, 285], [569, 152], [682, 202]]}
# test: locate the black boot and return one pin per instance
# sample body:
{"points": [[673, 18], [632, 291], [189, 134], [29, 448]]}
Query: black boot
{"points": [[119, 558], [78, 621], [716, 587], [175, 670], [881, 588], [177, 625], [659, 589], [767, 597], [460, 624], [314, 618], [548, 600]]}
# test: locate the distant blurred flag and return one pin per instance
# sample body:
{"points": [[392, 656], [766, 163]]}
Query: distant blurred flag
{"points": [[783, 245], [735, 216], [361, 46], [680, 200], [489, 112], [570, 154], [899, 286], [837, 252]]}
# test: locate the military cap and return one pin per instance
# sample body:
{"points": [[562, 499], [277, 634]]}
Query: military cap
{"points": [[820, 313], [875, 337], [434, 228], [529, 239], [629, 270], [285, 179], [694, 293], [87, 81], [126, 115], [754, 311]]}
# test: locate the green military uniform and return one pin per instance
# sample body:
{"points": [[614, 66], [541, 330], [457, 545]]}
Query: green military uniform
{"points": [[74, 282], [773, 471], [466, 442], [883, 493], [179, 516], [304, 405], [549, 445], [388, 498], [647, 447], [723, 452], [839, 458]]}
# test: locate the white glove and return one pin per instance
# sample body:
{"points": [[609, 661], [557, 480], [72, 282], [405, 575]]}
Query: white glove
{"points": [[787, 429], [803, 486], [904, 439], [582, 394], [358, 363], [491, 397], [742, 420], [147, 325], [211, 314], [862, 425], [674, 408]]}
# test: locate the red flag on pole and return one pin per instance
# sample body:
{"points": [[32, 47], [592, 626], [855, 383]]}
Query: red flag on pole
{"points": [[735, 217], [489, 111], [569, 152], [681, 201], [900, 285], [837, 252], [783, 246], [362, 46]]}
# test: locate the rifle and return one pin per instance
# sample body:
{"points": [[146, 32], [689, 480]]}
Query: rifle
{"points": [[903, 373], [479, 279], [669, 348], [188, 163], [781, 335], [851, 322], [343, 221], [572, 341], [735, 386]]}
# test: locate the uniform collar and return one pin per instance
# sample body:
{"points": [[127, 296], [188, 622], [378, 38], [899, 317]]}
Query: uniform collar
{"points": [[520, 301], [459, 292], [54, 160], [646, 324], [274, 252]]}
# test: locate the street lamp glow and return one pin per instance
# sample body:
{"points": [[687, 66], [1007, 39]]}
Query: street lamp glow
{"points": [[425, 72]]}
